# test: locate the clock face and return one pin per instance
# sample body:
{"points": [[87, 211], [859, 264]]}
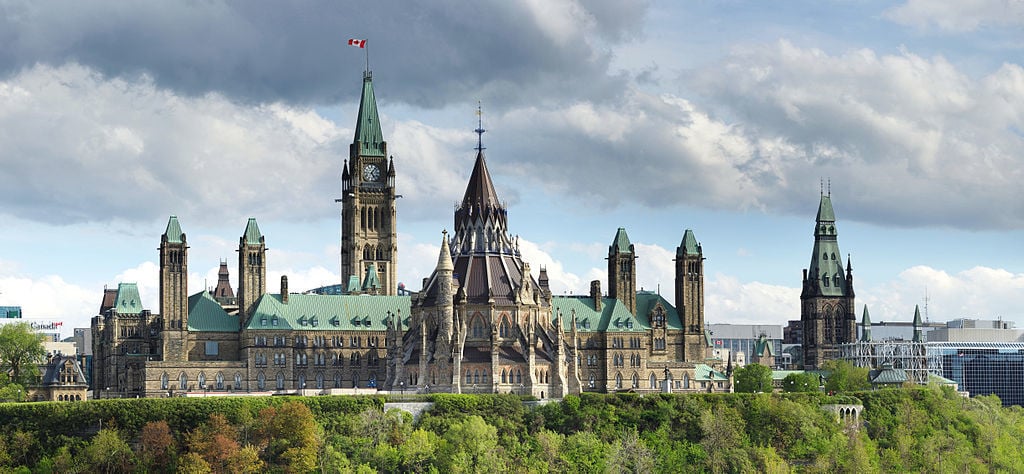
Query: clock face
{"points": [[371, 173]]}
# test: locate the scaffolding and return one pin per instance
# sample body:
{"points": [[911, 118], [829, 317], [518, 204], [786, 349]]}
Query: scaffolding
{"points": [[909, 356], [978, 368]]}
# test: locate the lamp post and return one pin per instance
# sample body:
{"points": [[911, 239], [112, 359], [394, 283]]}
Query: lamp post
{"points": [[401, 385]]}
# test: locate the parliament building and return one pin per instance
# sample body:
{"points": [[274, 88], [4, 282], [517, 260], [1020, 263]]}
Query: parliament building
{"points": [[484, 321]]}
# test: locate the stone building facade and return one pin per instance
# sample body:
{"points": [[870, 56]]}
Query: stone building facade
{"points": [[484, 320]]}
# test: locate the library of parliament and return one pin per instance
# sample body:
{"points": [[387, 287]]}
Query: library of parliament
{"points": [[484, 321]]}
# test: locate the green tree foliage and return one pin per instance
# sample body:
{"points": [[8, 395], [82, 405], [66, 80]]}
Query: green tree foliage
{"points": [[902, 430], [21, 350], [845, 377], [472, 447], [289, 436], [109, 453], [800, 382], [753, 378]]}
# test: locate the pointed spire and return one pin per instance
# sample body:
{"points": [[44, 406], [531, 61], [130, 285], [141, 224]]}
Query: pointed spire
{"points": [[865, 323], [173, 233], [480, 190], [918, 336], [371, 281], [689, 245], [344, 171], [825, 212], [252, 235], [368, 134], [444, 257], [621, 242]]}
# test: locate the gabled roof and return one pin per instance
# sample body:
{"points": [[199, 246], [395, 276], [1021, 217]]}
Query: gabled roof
{"points": [[614, 315], [327, 312], [889, 376], [689, 245], [368, 133], [173, 232], [206, 315], [621, 242], [127, 299], [763, 345], [52, 374], [706, 373], [252, 234]]}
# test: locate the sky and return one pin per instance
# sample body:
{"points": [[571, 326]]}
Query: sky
{"points": [[729, 118]]}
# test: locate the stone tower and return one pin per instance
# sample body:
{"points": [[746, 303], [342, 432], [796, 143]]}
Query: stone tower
{"points": [[174, 291], [622, 270], [368, 225], [827, 299], [690, 295], [252, 269]]}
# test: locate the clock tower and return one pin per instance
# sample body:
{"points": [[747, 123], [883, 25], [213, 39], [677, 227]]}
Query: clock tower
{"points": [[368, 235]]}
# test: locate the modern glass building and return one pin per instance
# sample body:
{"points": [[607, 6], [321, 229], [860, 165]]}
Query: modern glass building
{"points": [[981, 368]]}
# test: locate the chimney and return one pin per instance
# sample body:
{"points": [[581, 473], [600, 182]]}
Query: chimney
{"points": [[284, 289], [595, 294]]}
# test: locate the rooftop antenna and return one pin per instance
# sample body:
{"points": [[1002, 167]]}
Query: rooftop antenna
{"points": [[926, 299], [479, 128]]}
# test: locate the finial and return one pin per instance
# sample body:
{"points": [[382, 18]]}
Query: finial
{"points": [[479, 127], [829, 187], [821, 184]]}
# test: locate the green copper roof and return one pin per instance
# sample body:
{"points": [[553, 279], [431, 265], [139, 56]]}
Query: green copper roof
{"points": [[706, 373], [173, 232], [917, 315], [763, 345], [128, 301], [327, 312], [825, 212], [865, 323], [252, 232], [614, 315], [368, 134], [371, 280], [353, 284], [890, 376], [826, 260], [621, 243], [206, 315], [689, 245]]}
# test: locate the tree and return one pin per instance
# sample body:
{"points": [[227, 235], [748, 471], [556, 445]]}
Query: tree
{"points": [[753, 378], [289, 436], [156, 444], [845, 377], [472, 446], [800, 382], [107, 452], [21, 350]]}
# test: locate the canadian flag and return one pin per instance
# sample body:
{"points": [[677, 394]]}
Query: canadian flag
{"points": [[359, 43]]}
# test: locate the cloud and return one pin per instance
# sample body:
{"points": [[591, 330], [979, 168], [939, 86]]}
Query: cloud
{"points": [[732, 301], [263, 51], [961, 16], [883, 127], [51, 297], [976, 293], [128, 150]]}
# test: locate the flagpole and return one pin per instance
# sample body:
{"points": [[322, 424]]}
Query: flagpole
{"points": [[367, 48]]}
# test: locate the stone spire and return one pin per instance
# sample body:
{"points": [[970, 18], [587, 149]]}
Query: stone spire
{"points": [[622, 270], [918, 336], [865, 324]]}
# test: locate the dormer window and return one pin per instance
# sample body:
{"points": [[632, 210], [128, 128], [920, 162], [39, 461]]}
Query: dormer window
{"points": [[824, 280]]}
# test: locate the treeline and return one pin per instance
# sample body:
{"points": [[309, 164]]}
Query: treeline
{"points": [[919, 429]]}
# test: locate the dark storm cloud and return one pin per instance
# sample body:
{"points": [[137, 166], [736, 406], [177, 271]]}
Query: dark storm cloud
{"points": [[424, 53]]}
